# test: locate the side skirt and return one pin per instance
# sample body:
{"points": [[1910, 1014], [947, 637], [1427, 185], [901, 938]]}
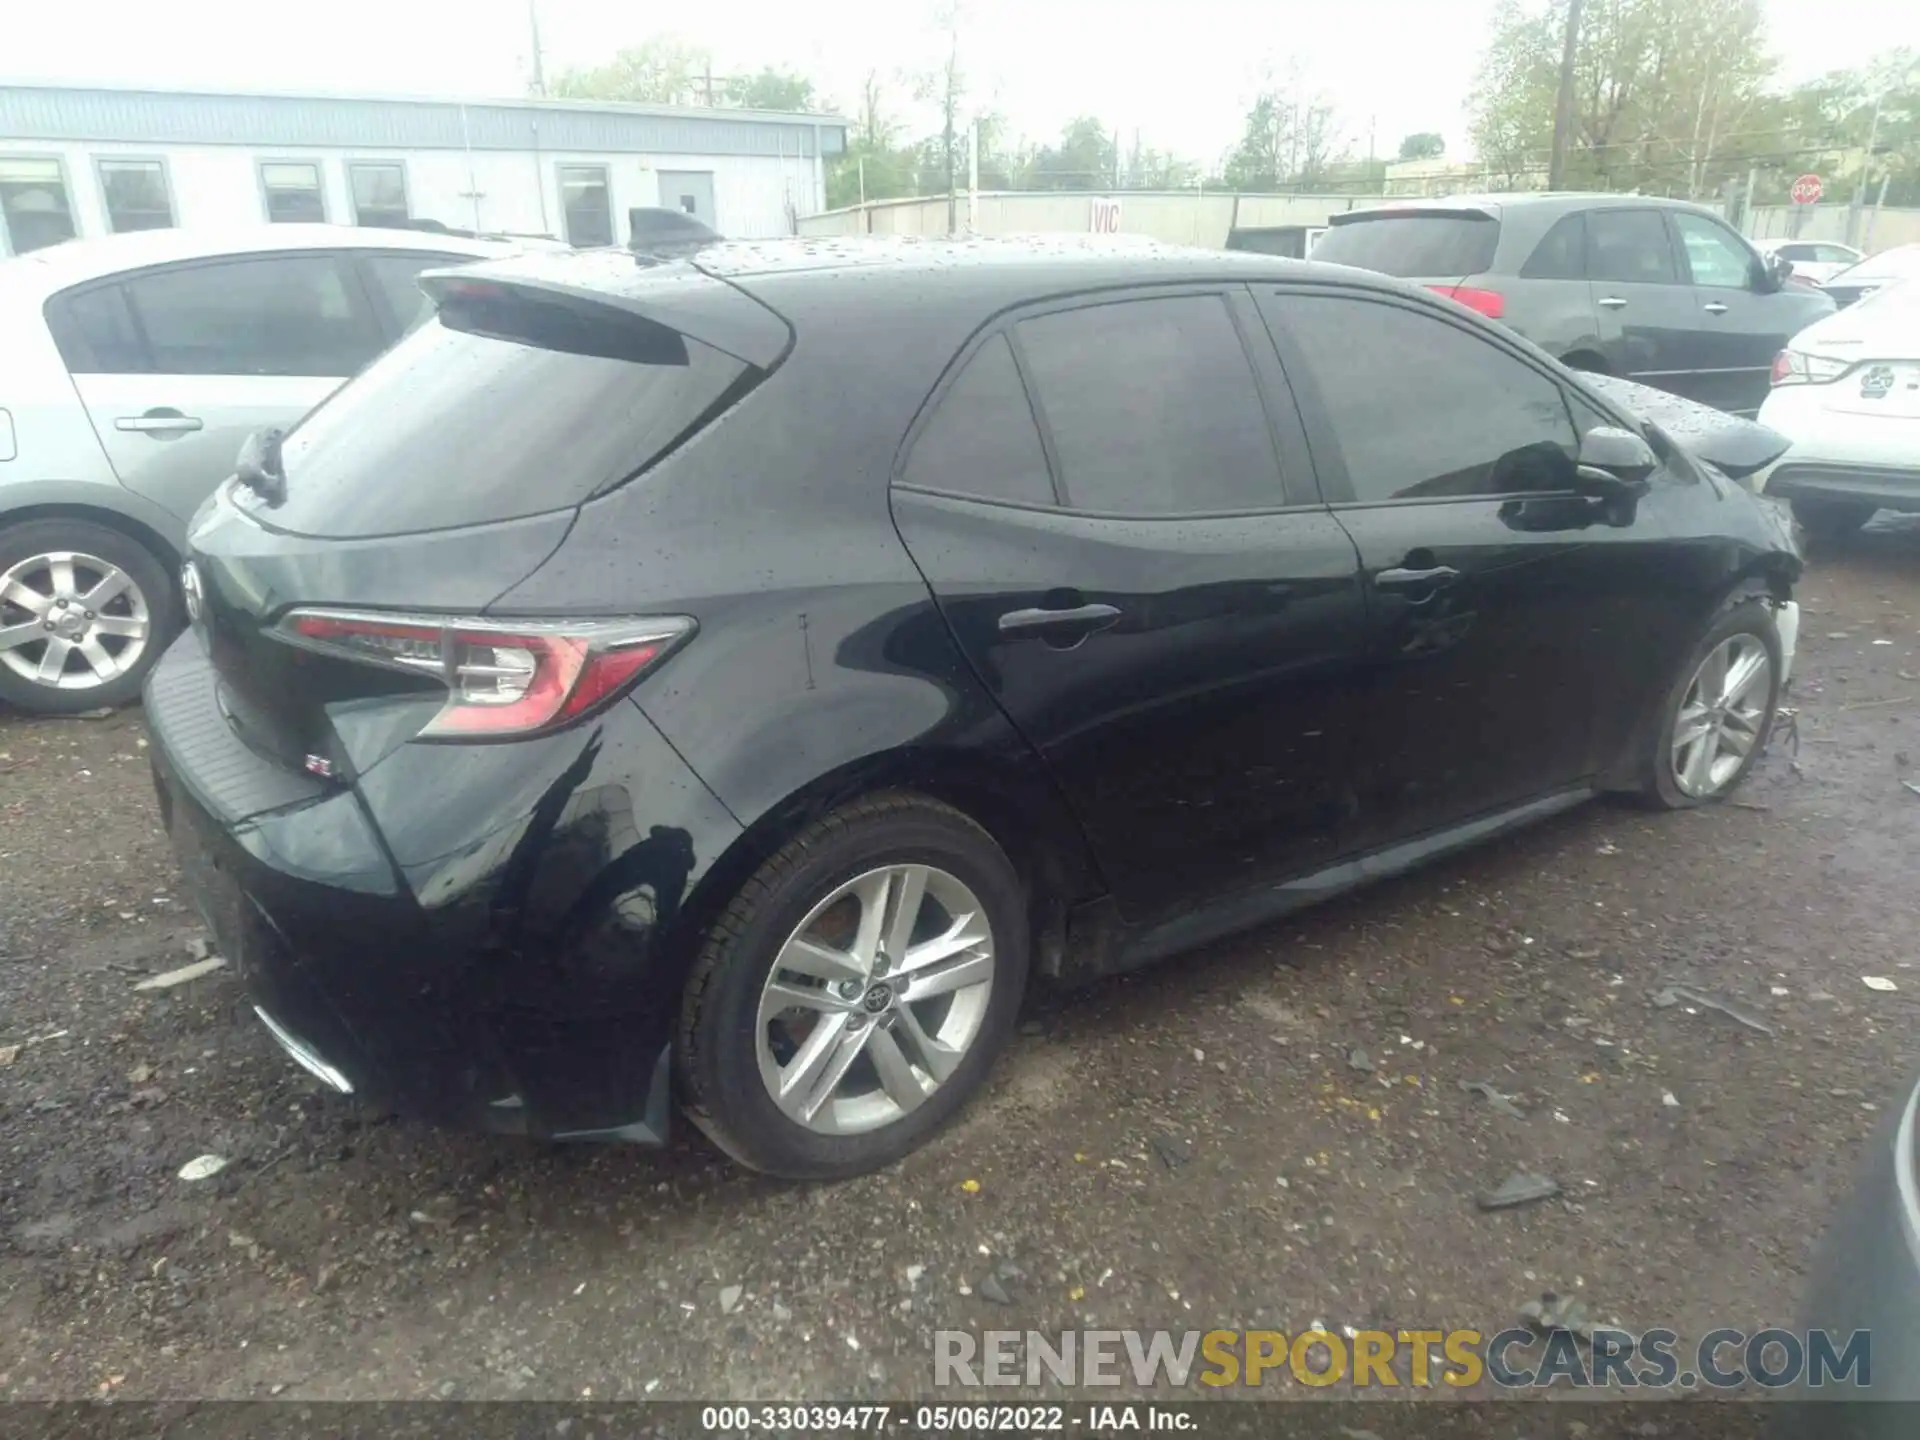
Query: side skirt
{"points": [[1100, 943]]}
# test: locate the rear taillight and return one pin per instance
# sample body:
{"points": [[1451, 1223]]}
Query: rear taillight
{"points": [[504, 678], [1796, 367], [1490, 303]]}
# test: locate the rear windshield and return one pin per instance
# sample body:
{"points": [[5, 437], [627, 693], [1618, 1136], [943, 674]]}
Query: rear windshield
{"points": [[1433, 247], [459, 425]]}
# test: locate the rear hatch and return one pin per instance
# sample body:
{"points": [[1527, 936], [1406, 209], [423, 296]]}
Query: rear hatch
{"points": [[1443, 247], [347, 592]]}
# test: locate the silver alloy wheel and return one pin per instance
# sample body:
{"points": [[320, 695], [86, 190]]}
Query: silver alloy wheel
{"points": [[1722, 715], [71, 621], [874, 999]]}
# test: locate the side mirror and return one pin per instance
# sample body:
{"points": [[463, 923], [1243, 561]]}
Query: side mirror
{"points": [[1775, 271], [1614, 464]]}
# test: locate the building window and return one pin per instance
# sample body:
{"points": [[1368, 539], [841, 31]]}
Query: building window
{"points": [[379, 193], [34, 205], [293, 191], [136, 194], [587, 205]]}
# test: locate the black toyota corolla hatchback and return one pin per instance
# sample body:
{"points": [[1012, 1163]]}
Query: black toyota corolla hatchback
{"points": [[724, 682]]}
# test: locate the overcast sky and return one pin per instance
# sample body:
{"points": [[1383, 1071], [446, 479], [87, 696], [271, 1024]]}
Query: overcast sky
{"points": [[1180, 71]]}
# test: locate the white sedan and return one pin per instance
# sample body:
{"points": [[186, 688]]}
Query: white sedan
{"points": [[1814, 261], [1846, 392]]}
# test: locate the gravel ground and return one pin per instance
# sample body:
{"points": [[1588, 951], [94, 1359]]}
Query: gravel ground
{"points": [[1190, 1147]]}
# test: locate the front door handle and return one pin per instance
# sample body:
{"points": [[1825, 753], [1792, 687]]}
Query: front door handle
{"points": [[161, 422], [1429, 579], [1612, 302], [1070, 626], [1714, 307]]}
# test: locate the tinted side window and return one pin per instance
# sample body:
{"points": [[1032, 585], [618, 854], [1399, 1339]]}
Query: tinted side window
{"points": [[274, 315], [1713, 255], [1561, 253], [982, 439], [1152, 407], [1831, 255], [1629, 247], [1424, 408], [94, 330], [1799, 252], [396, 277]]}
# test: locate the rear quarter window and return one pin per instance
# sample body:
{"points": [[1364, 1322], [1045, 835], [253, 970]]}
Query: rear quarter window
{"points": [[460, 426], [1414, 244]]}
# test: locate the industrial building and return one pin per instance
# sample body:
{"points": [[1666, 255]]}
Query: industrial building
{"points": [[92, 161]]}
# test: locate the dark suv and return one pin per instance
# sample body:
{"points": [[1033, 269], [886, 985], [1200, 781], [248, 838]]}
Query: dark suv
{"points": [[730, 678], [1657, 291]]}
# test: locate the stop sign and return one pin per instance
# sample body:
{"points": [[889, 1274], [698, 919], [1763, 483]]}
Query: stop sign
{"points": [[1806, 190]]}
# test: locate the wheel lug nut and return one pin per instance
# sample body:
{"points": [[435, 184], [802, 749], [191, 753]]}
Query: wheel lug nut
{"points": [[849, 989], [90, 614], [47, 624]]}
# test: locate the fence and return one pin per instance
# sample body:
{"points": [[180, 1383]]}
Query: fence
{"points": [[1878, 229], [1190, 217], [1182, 217]]}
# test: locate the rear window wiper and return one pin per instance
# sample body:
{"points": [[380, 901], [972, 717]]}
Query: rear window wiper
{"points": [[258, 465]]}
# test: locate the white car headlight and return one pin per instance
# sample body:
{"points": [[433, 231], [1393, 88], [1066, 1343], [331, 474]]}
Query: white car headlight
{"points": [[1797, 367]]}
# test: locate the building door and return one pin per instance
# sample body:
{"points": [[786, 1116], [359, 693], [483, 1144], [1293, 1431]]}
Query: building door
{"points": [[690, 191]]}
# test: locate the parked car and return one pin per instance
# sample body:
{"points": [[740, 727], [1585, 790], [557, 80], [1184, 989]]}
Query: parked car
{"points": [[1656, 291], [1815, 261], [1846, 392], [689, 732], [1296, 242], [1864, 1282], [1889, 267], [134, 367]]}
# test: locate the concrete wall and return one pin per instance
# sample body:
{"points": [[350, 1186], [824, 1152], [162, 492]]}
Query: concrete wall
{"points": [[215, 185], [1888, 228], [1182, 217]]}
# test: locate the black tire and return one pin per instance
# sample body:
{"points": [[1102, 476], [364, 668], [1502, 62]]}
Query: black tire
{"points": [[717, 1056], [149, 575], [1743, 614], [1832, 519]]}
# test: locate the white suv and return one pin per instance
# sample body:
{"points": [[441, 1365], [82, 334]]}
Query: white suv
{"points": [[133, 369]]}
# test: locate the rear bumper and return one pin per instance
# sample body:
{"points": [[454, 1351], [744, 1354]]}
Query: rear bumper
{"points": [[1886, 486], [535, 993]]}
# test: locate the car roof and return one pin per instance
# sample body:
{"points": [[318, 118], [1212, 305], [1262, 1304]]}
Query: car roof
{"points": [[45, 272], [1043, 263], [1558, 202]]}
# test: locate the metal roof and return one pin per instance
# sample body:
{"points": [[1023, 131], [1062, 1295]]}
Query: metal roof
{"points": [[260, 121]]}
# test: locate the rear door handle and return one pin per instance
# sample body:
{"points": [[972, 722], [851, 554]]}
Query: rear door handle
{"points": [[159, 422], [1612, 302], [1077, 623], [1433, 579], [1714, 307]]}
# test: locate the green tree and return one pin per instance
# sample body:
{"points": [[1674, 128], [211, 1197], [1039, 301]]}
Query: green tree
{"points": [[1827, 123], [1423, 145], [1085, 158], [771, 89], [1289, 139], [663, 70], [1668, 95]]}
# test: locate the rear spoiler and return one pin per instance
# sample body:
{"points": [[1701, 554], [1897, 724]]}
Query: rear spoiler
{"points": [[1384, 212], [679, 298]]}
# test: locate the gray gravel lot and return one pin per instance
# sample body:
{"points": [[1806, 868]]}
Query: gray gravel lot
{"points": [[1190, 1147]]}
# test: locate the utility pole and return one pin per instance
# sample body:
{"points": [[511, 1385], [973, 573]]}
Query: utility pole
{"points": [[1866, 164], [1563, 106], [539, 67], [973, 177]]}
